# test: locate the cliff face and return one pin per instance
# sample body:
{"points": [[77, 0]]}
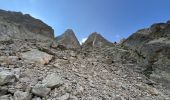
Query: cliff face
{"points": [[152, 48], [95, 40], [68, 40], [18, 25]]}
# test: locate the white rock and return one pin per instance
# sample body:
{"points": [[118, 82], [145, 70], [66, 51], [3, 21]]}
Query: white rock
{"points": [[6, 77], [64, 97], [19, 95], [36, 98], [41, 90], [53, 81], [17, 72], [73, 98], [36, 56]]}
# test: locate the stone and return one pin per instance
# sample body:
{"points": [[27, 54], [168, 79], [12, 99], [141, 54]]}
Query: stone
{"points": [[68, 40], [79, 90], [3, 90], [4, 97], [36, 98], [73, 97], [64, 97], [6, 77], [73, 54], [153, 91], [119, 98], [19, 95], [36, 56], [41, 90], [53, 81]]}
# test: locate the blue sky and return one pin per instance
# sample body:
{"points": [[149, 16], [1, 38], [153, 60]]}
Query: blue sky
{"points": [[114, 19]]}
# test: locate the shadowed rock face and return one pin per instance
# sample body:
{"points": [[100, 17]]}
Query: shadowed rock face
{"points": [[18, 25], [152, 46], [68, 40], [96, 40]]}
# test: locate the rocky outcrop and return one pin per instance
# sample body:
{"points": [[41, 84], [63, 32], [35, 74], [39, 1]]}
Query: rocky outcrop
{"points": [[151, 47], [68, 40], [16, 25], [95, 40]]}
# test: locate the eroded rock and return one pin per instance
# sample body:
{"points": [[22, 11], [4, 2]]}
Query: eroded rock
{"points": [[36, 56], [19, 95], [6, 77], [52, 81], [41, 90]]}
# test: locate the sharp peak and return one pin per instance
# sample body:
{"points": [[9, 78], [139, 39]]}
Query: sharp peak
{"points": [[96, 34], [69, 30]]}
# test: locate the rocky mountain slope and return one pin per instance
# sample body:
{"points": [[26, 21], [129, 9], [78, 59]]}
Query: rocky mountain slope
{"points": [[99, 70], [19, 26], [151, 47]]}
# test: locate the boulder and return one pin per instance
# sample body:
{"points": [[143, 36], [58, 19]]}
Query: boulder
{"points": [[4, 97], [64, 97], [36, 56], [36, 98], [6, 77], [52, 81], [68, 40], [3, 90], [41, 90], [19, 95]]}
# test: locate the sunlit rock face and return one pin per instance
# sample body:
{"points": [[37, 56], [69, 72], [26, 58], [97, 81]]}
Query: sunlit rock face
{"points": [[95, 40], [152, 49], [68, 40], [22, 26]]}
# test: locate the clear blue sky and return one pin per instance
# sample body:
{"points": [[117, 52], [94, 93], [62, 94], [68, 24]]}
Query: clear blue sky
{"points": [[114, 19]]}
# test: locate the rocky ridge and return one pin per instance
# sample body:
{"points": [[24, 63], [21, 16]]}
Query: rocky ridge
{"points": [[68, 40], [151, 48], [37, 70], [95, 40], [23, 26]]}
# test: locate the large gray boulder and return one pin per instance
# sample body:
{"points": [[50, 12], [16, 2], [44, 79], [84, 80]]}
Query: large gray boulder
{"points": [[36, 56], [151, 47], [68, 40], [16, 25], [52, 81], [96, 40], [19, 95], [6, 77], [41, 90]]}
